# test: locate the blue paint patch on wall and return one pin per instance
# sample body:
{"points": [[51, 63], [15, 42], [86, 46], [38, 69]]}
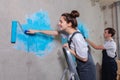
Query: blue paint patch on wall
{"points": [[83, 29], [39, 44]]}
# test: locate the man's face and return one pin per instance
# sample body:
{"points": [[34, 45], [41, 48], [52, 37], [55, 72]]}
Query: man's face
{"points": [[106, 34]]}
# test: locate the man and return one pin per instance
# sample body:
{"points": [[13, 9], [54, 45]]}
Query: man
{"points": [[109, 65]]}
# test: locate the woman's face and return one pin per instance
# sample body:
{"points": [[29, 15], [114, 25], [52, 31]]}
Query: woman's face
{"points": [[63, 25]]}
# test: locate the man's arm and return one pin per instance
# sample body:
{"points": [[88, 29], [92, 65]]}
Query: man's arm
{"points": [[98, 47]]}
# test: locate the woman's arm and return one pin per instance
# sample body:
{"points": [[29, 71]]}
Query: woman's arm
{"points": [[78, 57], [54, 33], [74, 53], [98, 47]]}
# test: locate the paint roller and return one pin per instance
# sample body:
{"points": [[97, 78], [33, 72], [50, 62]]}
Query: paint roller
{"points": [[14, 30], [24, 31]]}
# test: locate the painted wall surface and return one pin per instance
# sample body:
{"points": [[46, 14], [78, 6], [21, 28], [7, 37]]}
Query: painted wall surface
{"points": [[19, 65]]}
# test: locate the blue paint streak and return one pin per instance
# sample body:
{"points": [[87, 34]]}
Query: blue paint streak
{"points": [[39, 44]]}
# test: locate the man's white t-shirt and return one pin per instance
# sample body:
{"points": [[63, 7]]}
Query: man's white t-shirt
{"points": [[110, 47]]}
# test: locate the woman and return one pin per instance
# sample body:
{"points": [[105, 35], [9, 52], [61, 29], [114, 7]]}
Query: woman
{"points": [[77, 45]]}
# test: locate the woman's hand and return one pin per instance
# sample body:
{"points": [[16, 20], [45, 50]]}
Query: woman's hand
{"points": [[31, 32], [66, 45], [71, 51]]}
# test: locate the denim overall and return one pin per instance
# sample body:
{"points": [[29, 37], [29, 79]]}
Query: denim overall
{"points": [[86, 70], [109, 67]]}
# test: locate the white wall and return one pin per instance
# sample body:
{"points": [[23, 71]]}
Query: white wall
{"points": [[18, 65]]}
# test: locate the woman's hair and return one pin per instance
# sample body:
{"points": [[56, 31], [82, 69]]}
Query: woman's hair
{"points": [[71, 17], [111, 31]]}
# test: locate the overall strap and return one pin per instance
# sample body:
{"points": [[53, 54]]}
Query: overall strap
{"points": [[107, 58], [70, 40], [115, 55]]}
